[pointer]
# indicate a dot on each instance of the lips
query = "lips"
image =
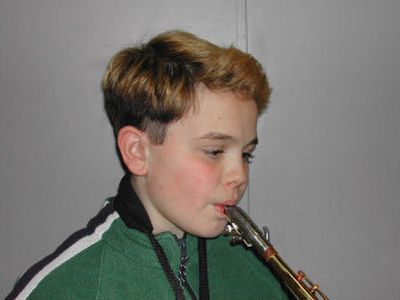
(229, 203)
(221, 206)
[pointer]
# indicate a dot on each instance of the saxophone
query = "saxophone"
(242, 228)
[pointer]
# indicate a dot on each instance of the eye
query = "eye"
(213, 153)
(248, 157)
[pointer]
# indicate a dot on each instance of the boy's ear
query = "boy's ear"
(132, 144)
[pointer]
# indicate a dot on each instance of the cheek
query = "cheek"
(198, 179)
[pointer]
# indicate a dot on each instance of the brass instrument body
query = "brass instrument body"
(243, 229)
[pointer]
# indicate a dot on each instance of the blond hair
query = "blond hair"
(154, 84)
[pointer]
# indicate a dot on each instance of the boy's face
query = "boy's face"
(201, 166)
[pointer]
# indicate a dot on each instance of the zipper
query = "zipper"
(181, 276)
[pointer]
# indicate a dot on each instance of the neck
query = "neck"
(158, 220)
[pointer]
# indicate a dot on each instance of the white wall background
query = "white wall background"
(327, 174)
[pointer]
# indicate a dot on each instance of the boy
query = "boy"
(184, 113)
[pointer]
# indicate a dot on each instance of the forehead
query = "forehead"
(219, 113)
(223, 105)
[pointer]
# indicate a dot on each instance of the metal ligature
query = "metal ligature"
(243, 229)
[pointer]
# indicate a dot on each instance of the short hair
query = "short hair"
(153, 84)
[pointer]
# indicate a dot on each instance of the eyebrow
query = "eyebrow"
(225, 137)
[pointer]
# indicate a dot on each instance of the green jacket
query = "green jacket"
(123, 265)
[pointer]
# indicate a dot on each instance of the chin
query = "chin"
(209, 233)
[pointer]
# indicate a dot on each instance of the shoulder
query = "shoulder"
(71, 267)
(77, 278)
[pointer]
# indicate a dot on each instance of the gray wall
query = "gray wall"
(327, 174)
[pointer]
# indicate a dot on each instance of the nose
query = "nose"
(237, 175)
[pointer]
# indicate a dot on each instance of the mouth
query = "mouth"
(221, 206)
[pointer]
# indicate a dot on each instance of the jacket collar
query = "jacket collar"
(130, 207)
